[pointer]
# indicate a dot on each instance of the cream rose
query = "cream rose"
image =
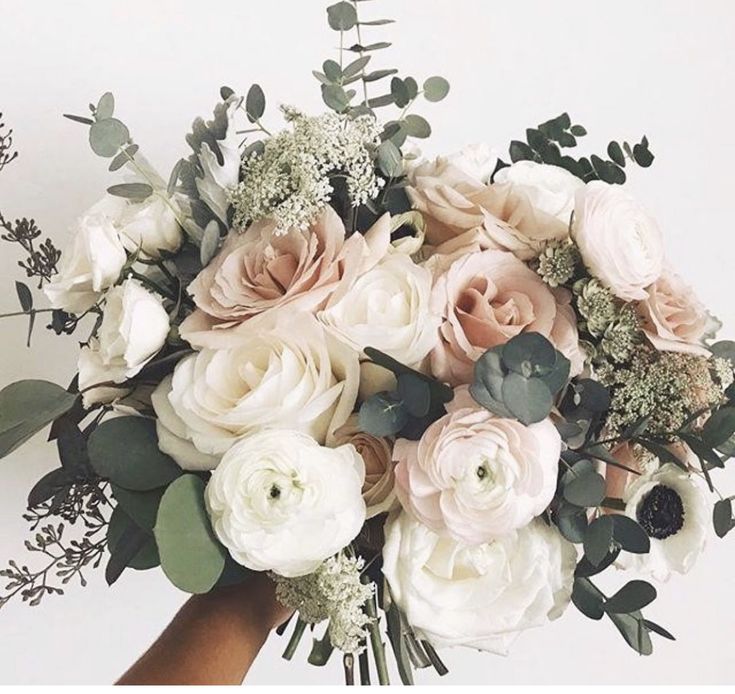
(487, 298)
(150, 225)
(480, 596)
(288, 375)
(134, 327)
(89, 267)
(387, 308)
(379, 487)
(620, 242)
(477, 161)
(476, 476)
(257, 271)
(673, 317)
(281, 502)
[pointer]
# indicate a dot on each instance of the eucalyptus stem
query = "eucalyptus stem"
(362, 53)
(26, 313)
(364, 663)
(295, 639)
(376, 642)
(348, 661)
(436, 661)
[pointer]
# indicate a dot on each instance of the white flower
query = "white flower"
(620, 242)
(134, 327)
(281, 502)
(387, 308)
(91, 265)
(476, 160)
(672, 508)
(549, 189)
(290, 374)
(481, 596)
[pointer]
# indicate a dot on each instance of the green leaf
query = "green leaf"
(630, 535)
(719, 427)
(400, 92)
(578, 130)
(335, 97)
(379, 75)
(24, 296)
(72, 447)
(528, 399)
(724, 349)
(415, 393)
(255, 103)
(585, 568)
(107, 136)
(355, 67)
(520, 151)
(529, 354)
(383, 414)
(583, 485)
(587, 599)
(105, 106)
(435, 88)
(131, 191)
(129, 545)
(378, 101)
(125, 451)
(642, 156)
(210, 242)
(377, 22)
(123, 158)
(722, 517)
(28, 406)
(571, 521)
(634, 595)
(633, 629)
(226, 92)
(661, 452)
(48, 486)
(390, 160)
(78, 119)
(657, 629)
(332, 70)
(417, 126)
(615, 152)
(141, 507)
(342, 16)
(597, 539)
(191, 556)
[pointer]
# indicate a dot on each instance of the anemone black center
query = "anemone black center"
(275, 491)
(661, 512)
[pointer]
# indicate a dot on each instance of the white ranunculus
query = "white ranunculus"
(288, 374)
(387, 308)
(89, 267)
(481, 596)
(549, 189)
(620, 242)
(281, 502)
(477, 160)
(134, 327)
(672, 508)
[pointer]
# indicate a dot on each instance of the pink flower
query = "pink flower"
(476, 476)
(673, 317)
(257, 271)
(487, 298)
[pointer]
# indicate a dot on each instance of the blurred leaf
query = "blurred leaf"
(416, 126)
(435, 88)
(383, 414)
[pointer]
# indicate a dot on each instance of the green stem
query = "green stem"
(364, 664)
(376, 642)
(26, 313)
(362, 54)
(348, 662)
(293, 642)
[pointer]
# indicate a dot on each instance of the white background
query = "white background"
(622, 69)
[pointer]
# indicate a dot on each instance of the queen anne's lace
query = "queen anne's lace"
(290, 180)
(334, 592)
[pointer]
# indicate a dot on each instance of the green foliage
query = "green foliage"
(582, 485)
(132, 191)
(544, 144)
(722, 517)
(138, 465)
(191, 556)
(255, 103)
(129, 546)
(521, 378)
(28, 406)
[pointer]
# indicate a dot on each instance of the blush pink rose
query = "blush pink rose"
(487, 298)
(257, 271)
(673, 317)
(476, 476)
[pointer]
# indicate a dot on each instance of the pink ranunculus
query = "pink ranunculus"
(476, 476)
(487, 298)
(673, 317)
(257, 271)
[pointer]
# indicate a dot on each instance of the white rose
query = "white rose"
(481, 596)
(134, 327)
(549, 189)
(387, 308)
(672, 508)
(90, 266)
(281, 502)
(290, 374)
(620, 242)
(476, 160)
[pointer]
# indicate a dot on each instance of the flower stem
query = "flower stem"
(364, 664)
(376, 642)
(293, 642)
(349, 664)
(26, 313)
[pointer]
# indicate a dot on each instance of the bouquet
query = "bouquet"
(433, 399)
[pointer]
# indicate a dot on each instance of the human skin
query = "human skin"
(213, 639)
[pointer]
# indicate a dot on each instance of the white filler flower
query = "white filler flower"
(281, 502)
(481, 596)
(672, 508)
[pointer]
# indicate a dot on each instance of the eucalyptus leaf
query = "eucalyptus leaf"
(528, 399)
(597, 539)
(383, 414)
(415, 393)
(633, 629)
(28, 406)
(210, 242)
(335, 97)
(722, 517)
(106, 137)
(342, 16)
(435, 88)
(529, 354)
(356, 66)
(634, 595)
(141, 507)
(191, 556)
(123, 158)
(587, 599)
(48, 486)
(105, 106)
(630, 535)
(255, 103)
(416, 126)
(129, 546)
(379, 75)
(583, 485)
(131, 191)
(24, 296)
(719, 427)
(332, 70)
(390, 160)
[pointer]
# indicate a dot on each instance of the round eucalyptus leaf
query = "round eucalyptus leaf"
(255, 103)
(191, 556)
(106, 137)
(105, 106)
(383, 414)
(558, 377)
(141, 507)
(571, 521)
(390, 160)
(597, 539)
(722, 517)
(125, 451)
(332, 70)
(630, 535)
(587, 599)
(720, 427)
(528, 399)
(583, 485)
(725, 349)
(416, 126)
(415, 393)
(634, 595)
(335, 97)
(529, 354)
(342, 16)
(435, 88)
(490, 373)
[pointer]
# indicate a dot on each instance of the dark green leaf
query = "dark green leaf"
(528, 399)
(529, 354)
(72, 446)
(125, 451)
(630, 535)
(587, 599)
(578, 130)
(634, 595)
(598, 538)
(585, 568)
(28, 406)
(123, 158)
(583, 485)
(722, 517)
(383, 414)
(724, 349)
(79, 119)
(141, 507)
(129, 545)
(379, 75)
(615, 152)
(226, 92)
(572, 522)
(321, 651)
(632, 627)
(657, 629)
(662, 453)
(48, 486)
(719, 427)
(255, 103)
(132, 191)
(642, 156)
(415, 393)
(399, 91)
(24, 296)
(390, 160)
(191, 556)
(520, 151)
